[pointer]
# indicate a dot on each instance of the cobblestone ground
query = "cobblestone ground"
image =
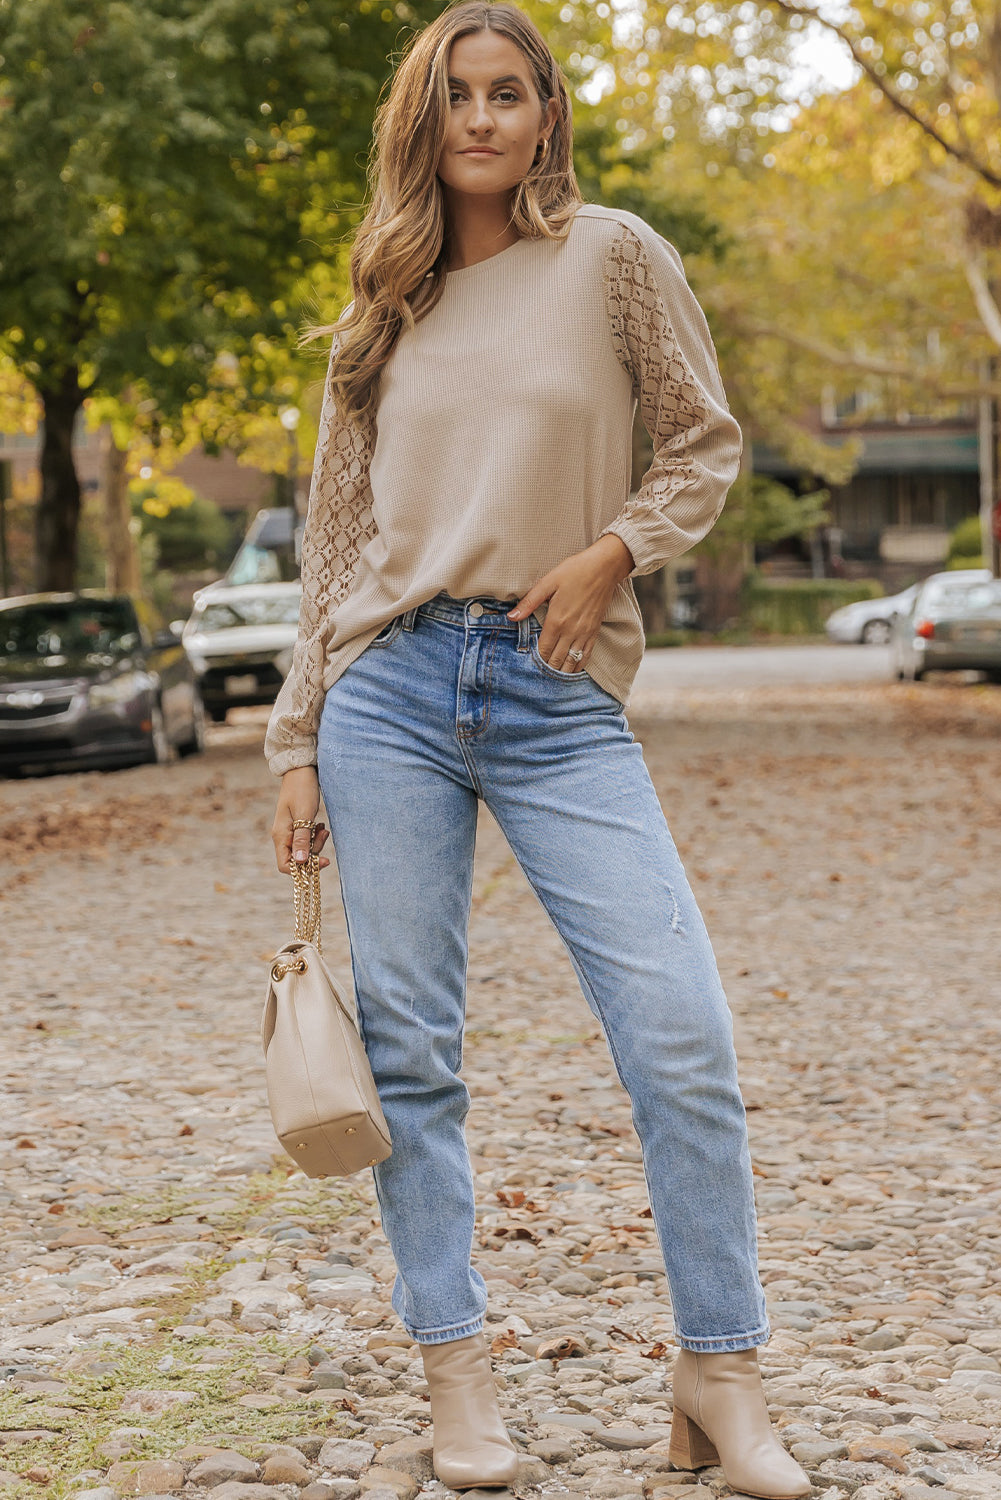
(184, 1314)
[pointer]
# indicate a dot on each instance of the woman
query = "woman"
(468, 630)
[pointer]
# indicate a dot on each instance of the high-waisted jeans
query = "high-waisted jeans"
(452, 702)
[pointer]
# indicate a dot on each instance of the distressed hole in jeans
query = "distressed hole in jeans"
(675, 911)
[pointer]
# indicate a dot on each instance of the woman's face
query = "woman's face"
(494, 105)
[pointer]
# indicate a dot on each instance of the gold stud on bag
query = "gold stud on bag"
(321, 1093)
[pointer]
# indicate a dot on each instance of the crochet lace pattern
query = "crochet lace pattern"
(671, 401)
(338, 525)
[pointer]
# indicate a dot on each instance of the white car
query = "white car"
(239, 641)
(869, 621)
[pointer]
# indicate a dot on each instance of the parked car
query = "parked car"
(86, 679)
(269, 553)
(239, 641)
(954, 623)
(869, 621)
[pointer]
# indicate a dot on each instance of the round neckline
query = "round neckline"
(465, 272)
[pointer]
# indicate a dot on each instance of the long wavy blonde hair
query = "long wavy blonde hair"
(401, 248)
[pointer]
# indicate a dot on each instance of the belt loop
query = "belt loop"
(525, 633)
(410, 617)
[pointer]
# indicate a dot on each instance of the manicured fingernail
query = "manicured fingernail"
(300, 855)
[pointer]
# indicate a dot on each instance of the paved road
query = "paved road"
(761, 666)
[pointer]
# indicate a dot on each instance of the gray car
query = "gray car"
(869, 622)
(85, 681)
(954, 624)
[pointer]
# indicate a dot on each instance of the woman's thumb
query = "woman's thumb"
(302, 840)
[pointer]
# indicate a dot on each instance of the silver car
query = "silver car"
(869, 621)
(239, 641)
(953, 625)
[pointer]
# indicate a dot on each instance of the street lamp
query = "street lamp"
(289, 419)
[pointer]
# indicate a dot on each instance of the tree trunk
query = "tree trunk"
(652, 600)
(121, 562)
(57, 517)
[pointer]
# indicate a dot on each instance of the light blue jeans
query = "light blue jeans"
(452, 702)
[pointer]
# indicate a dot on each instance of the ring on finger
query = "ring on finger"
(574, 655)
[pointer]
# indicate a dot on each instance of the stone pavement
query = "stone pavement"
(184, 1314)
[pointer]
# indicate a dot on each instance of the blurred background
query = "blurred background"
(180, 188)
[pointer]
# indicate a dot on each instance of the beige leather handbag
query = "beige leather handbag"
(321, 1093)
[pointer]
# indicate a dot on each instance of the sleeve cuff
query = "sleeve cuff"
(292, 759)
(646, 559)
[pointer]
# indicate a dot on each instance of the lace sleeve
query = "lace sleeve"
(338, 526)
(662, 339)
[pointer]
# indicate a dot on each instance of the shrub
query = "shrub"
(194, 535)
(965, 543)
(800, 606)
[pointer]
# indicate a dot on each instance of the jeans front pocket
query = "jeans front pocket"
(580, 679)
(388, 633)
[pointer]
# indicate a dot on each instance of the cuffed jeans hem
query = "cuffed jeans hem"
(724, 1345)
(445, 1335)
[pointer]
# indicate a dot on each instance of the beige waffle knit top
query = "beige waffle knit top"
(502, 443)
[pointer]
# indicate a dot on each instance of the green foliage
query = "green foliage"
(626, 179)
(762, 509)
(965, 542)
(187, 537)
(156, 164)
(800, 607)
(166, 169)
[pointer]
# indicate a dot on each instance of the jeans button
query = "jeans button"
(476, 610)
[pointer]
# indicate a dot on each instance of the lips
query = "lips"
(479, 151)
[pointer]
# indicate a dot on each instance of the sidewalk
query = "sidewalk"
(181, 1316)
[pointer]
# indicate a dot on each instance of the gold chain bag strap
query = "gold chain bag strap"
(322, 1097)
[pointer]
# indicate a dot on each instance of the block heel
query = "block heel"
(721, 1416)
(689, 1447)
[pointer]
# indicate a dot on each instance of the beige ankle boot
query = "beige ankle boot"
(721, 1417)
(471, 1448)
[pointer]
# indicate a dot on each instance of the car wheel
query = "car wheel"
(217, 713)
(917, 675)
(876, 633)
(196, 744)
(159, 745)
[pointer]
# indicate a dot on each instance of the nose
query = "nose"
(480, 117)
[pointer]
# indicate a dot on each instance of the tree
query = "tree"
(158, 164)
(938, 68)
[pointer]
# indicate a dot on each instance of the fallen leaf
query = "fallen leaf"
(623, 1333)
(506, 1340)
(566, 1347)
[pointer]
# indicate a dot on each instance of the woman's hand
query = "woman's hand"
(579, 591)
(298, 798)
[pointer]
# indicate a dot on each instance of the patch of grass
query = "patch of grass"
(320, 1201)
(281, 1193)
(98, 1399)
